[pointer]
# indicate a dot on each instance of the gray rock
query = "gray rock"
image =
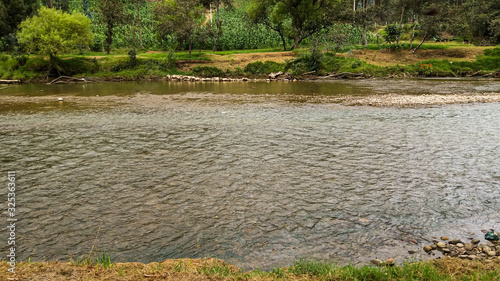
(491, 253)
(460, 245)
(468, 246)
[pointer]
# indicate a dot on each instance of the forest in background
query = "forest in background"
(253, 24)
(324, 27)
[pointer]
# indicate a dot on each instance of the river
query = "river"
(150, 171)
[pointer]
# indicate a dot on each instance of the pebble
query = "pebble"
(441, 245)
(460, 245)
(468, 246)
(444, 238)
(492, 253)
(390, 262)
(427, 248)
(455, 241)
(471, 257)
(376, 262)
(475, 241)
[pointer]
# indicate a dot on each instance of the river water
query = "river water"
(127, 169)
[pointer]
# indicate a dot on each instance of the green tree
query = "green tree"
(483, 21)
(228, 4)
(307, 16)
(12, 13)
(272, 16)
(182, 18)
(54, 32)
(111, 13)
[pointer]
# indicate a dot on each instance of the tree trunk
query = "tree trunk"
(189, 45)
(412, 36)
(218, 27)
(283, 40)
(423, 39)
(140, 25)
(50, 4)
(109, 37)
(366, 39)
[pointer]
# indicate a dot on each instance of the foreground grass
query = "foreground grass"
(214, 269)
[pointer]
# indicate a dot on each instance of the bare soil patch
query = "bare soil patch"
(234, 61)
(388, 57)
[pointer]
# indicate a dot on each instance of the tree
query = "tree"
(111, 13)
(483, 20)
(264, 12)
(13, 12)
(53, 32)
(307, 16)
(182, 18)
(218, 22)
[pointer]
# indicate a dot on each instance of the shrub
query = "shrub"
(267, 67)
(207, 71)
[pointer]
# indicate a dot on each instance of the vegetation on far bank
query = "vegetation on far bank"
(209, 269)
(312, 61)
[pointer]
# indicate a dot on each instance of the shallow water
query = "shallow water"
(257, 184)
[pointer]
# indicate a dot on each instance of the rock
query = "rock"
(460, 245)
(434, 246)
(463, 256)
(471, 257)
(446, 250)
(275, 75)
(444, 238)
(491, 253)
(377, 262)
(390, 262)
(411, 252)
(475, 241)
(441, 245)
(455, 241)
(468, 246)
(428, 248)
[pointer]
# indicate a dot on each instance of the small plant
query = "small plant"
(132, 55)
(104, 260)
(278, 272)
(179, 267)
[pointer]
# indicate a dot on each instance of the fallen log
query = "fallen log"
(66, 80)
(10, 81)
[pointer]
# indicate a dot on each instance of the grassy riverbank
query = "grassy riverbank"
(214, 269)
(434, 60)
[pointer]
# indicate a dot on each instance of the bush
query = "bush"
(267, 67)
(208, 71)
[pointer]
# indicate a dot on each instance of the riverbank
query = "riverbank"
(434, 60)
(215, 269)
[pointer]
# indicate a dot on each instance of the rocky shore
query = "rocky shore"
(472, 250)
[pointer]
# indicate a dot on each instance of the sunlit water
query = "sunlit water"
(259, 185)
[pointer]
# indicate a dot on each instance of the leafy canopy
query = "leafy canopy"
(53, 32)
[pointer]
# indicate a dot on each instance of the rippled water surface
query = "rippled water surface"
(258, 184)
